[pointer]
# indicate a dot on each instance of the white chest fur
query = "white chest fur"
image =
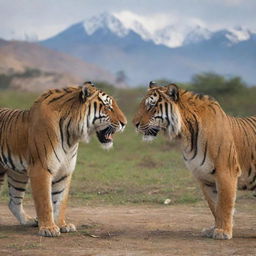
(201, 166)
(65, 162)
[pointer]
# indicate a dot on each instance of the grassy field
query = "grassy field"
(132, 172)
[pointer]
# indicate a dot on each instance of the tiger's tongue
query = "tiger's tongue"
(109, 137)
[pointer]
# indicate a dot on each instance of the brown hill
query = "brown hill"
(58, 69)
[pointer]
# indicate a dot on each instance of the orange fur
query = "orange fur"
(217, 148)
(42, 145)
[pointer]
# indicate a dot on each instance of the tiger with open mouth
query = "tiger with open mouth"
(41, 144)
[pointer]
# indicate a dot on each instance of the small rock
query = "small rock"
(167, 201)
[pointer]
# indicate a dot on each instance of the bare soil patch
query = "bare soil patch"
(132, 230)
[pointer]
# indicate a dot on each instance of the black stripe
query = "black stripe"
(59, 180)
(209, 184)
(95, 108)
(68, 133)
(23, 116)
(194, 136)
(61, 134)
(4, 158)
(16, 188)
(161, 109)
(73, 155)
(57, 192)
(167, 115)
(191, 130)
(7, 119)
(38, 154)
(66, 90)
(253, 180)
(46, 95)
(49, 170)
(1, 157)
(10, 158)
(17, 197)
(249, 172)
(53, 147)
(17, 181)
(88, 115)
(57, 98)
(7, 112)
(205, 152)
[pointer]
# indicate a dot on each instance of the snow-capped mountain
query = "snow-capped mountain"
(237, 35)
(174, 52)
(171, 36)
(105, 21)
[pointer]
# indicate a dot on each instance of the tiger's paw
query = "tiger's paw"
(208, 232)
(68, 228)
(31, 222)
(220, 234)
(51, 231)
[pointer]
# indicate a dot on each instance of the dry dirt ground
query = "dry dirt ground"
(132, 230)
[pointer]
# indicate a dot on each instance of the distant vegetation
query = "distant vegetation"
(233, 94)
(235, 97)
(6, 79)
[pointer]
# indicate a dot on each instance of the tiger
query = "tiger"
(40, 144)
(217, 148)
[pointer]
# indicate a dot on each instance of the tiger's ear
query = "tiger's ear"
(89, 83)
(87, 90)
(152, 84)
(84, 94)
(173, 92)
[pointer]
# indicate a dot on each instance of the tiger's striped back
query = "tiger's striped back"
(220, 150)
(42, 143)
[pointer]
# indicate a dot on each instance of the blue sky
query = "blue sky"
(44, 18)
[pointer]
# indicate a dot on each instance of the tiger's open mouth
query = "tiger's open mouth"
(150, 134)
(105, 135)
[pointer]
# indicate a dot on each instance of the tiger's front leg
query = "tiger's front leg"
(210, 193)
(41, 190)
(60, 191)
(226, 187)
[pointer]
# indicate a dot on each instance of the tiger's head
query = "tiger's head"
(159, 111)
(102, 115)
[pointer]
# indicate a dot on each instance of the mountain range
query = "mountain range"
(168, 53)
(55, 69)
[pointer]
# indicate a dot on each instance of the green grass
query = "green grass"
(132, 172)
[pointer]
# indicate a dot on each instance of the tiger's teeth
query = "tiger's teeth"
(108, 136)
